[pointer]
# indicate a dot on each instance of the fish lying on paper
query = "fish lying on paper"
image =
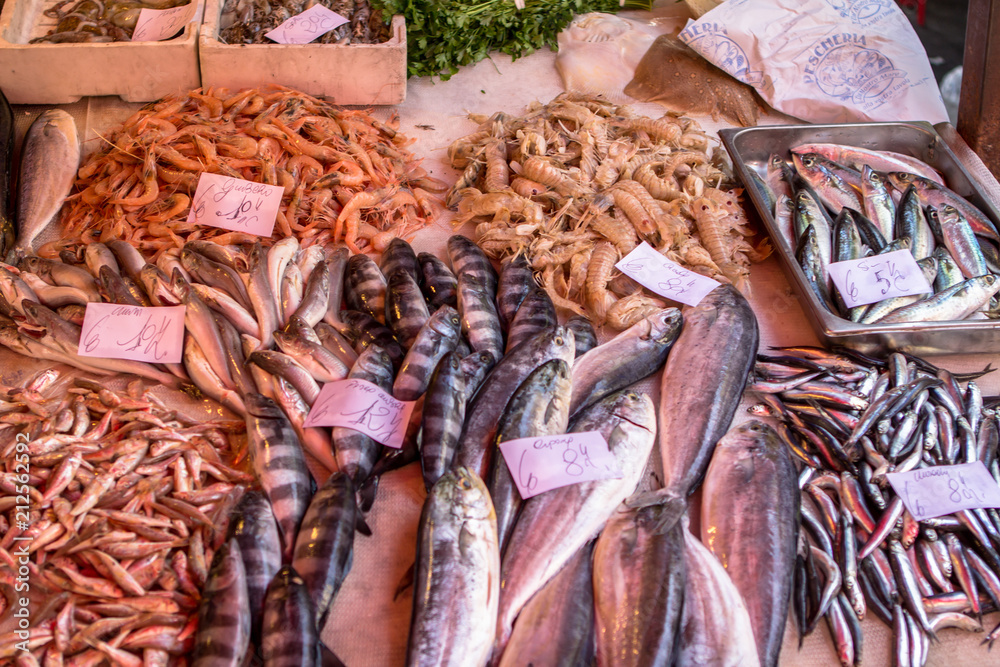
(672, 74)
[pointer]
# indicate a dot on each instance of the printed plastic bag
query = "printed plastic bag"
(823, 61)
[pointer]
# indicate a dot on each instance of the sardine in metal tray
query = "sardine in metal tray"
(750, 149)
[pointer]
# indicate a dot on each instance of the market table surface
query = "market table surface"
(368, 624)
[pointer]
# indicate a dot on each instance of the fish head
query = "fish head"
(665, 325)
(259, 405)
(465, 494)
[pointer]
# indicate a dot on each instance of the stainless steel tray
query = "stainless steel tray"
(750, 149)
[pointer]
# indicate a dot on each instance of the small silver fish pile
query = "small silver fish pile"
(850, 420)
(127, 501)
(840, 203)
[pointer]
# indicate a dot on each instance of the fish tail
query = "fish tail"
(671, 507)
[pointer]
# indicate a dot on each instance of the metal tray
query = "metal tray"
(750, 148)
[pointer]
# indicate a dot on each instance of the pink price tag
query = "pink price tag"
(113, 331)
(303, 28)
(235, 204)
(154, 25)
(542, 464)
(361, 405)
(940, 490)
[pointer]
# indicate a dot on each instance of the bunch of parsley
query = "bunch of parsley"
(443, 35)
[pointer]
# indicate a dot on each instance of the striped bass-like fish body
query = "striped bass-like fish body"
(556, 627)
(224, 614)
(280, 465)
(467, 257)
(635, 353)
(516, 280)
(715, 626)
(443, 416)
(365, 287)
(253, 527)
(439, 336)
(289, 637)
(325, 542)
(701, 386)
(554, 525)
(457, 575)
(439, 283)
(639, 574)
(535, 313)
(749, 520)
(357, 452)
(399, 255)
(405, 309)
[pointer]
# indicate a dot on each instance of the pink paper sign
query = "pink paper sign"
(940, 490)
(652, 270)
(235, 204)
(542, 464)
(362, 406)
(114, 331)
(155, 25)
(303, 28)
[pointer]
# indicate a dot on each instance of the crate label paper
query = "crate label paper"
(940, 490)
(310, 25)
(235, 204)
(657, 273)
(548, 462)
(362, 406)
(155, 25)
(879, 277)
(114, 331)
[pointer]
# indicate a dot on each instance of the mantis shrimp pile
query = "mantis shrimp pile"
(576, 184)
(346, 176)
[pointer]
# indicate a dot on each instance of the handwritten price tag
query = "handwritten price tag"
(155, 25)
(307, 26)
(880, 277)
(361, 405)
(235, 204)
(542, 464)
(113, 331)
(657, 273)
(931, 492)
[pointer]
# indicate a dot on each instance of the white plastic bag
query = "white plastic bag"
(823, 61)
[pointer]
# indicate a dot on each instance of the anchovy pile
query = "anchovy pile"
(113, 506)
(842, 203)
(850, 420)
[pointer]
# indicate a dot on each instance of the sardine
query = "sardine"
(50, 156)
(877, 204)
(955, 303)
(937, 195)
(750, 520)
(838, 186)
(883, 161)
(456, 586)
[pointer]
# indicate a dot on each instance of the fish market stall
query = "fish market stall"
(399, 169)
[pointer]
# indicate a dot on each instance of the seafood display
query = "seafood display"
(248, 21)
(94, 21)
(576, 184)
(346, 176)
(850, 421)
(7, 229)
(835, 203)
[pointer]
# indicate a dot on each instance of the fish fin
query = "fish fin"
(366, 493)
(327, 658)
(672, 508)
(406, 581)
(362, 526)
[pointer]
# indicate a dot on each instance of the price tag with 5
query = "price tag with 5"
(307, 26)
(940, 490)
(362, 406)
(548, 462)
(657, 273)
(235, 204)
(113, 331)
(880, 277)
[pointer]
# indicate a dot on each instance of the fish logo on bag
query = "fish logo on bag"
(844, 67)
(722, 51)
(861, 12)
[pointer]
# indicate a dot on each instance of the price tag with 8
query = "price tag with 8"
(545, 463)
(303, 28)
(880, 277)
(657, 273)
(939, 490)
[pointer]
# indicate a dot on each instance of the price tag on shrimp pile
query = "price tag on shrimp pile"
(542, 464)
(364, 407)
(113, 331)
(940, 490)
(879, 277)
(235, 204)
(303, 28)
(657, 273)
(154, 25)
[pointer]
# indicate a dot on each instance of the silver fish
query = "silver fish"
(50, 156)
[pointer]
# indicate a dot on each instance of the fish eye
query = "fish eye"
(559, 340)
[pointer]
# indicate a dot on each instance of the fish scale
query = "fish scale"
(439, 336)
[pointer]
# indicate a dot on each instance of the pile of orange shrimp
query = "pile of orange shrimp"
(346, 176)
(576, 184)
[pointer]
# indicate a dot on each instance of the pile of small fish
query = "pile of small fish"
(346, 176)
(577, 183)
(842, 203)
(96, 21)
(113, 507)
(248, 21)
(851, 420)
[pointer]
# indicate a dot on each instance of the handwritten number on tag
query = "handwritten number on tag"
(528, 479)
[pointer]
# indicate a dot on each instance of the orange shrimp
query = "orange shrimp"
(150, 188)
(350, 216)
